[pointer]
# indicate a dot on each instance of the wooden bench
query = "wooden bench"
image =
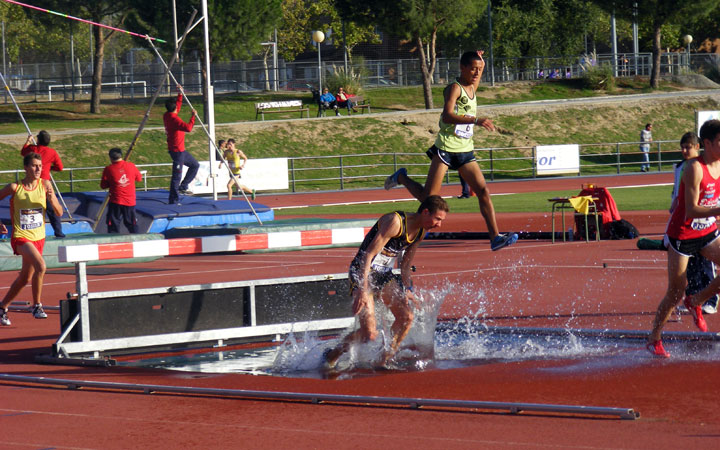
(361, 103)
(288, 106)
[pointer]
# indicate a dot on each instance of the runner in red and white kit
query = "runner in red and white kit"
(120, 178)
(692, 230)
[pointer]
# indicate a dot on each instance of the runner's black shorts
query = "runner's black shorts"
(378, 279)
(690, 247)
(451, 159)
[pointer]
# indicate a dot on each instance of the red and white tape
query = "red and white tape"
(211, 244)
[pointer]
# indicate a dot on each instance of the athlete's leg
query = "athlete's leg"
(472, 174)
(677, 267)
(366, 332)
(712, 253)
(32, 263)
(230, 188)
(395, 299)
(433, 182)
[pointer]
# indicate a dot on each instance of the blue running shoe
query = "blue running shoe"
(503, 240)
(392, 180)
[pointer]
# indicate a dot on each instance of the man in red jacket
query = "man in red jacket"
(120, 178)
(175, 130)
(50, 161)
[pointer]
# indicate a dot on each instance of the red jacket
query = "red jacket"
(120, 178)
(175, 128)
(50, 159)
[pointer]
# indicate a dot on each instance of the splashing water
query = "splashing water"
(466, 341)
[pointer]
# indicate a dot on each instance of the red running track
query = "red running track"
(533, 283)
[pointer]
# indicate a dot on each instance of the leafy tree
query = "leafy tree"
(420, 21)
(108, 12)
(656, 14)
(236, 27)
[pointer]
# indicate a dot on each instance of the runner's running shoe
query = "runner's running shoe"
(4, 319)
(38, 312)
(657, 349)
(392, 180)
(710, 306)
(697, 314)
(503, 240)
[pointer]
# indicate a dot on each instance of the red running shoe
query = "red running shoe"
(657, 349)
(697, 315)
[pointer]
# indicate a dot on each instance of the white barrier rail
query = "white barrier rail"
(75, 86)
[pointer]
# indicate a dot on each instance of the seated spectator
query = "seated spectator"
(345, 100)
(553, 74)
(327, 101)
(568, 73)
(541, 74)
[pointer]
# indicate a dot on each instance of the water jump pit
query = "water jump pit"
(436, 345)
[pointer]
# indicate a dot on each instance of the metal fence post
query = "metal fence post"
(395, 166)
(617, 152)
(71, 180)
(533, 162)
(659, 157)
(292, 173)
(492, 166)
(342, 180)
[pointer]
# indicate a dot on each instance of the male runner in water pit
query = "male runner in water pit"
(692, 230)
(394, 238)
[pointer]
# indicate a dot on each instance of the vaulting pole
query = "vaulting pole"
(12, 97)
(210, 138)
(67, 16)
(189, 26)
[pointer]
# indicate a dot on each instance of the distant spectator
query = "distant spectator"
(541, 74)
(50, 161)
(646, 139)
(344, 100)
(328, 101)
(120, 178)
(554, 74)
(568, 73)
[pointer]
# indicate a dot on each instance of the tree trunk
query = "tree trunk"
(266, 70)
(655, 74)
(427, 69)
(96, 90)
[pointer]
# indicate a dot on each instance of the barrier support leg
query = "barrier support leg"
(81, 286)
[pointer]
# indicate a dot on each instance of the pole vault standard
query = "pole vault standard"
(316, 398)
(212, 141)
(67, 16)
(12, 97)
(145, 118)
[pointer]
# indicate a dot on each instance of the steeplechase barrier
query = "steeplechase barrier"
(94, 324)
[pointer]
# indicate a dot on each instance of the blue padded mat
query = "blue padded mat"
(154, 214)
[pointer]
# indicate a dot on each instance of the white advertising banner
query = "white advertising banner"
(260, 174)
(557, 159)
(704, 116)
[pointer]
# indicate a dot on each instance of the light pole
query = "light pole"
(318, 36)
(687, 39)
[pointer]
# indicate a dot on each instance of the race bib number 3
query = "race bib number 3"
(31, 218)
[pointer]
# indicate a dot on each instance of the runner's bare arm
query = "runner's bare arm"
(451, 94)
(8, 190)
